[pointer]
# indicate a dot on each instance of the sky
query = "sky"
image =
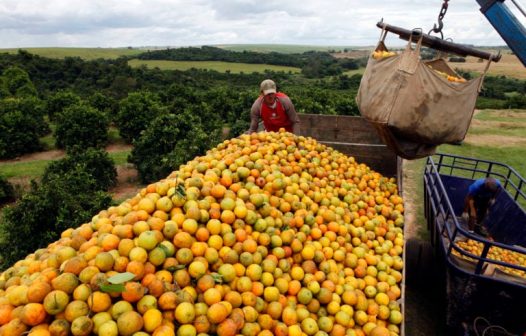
(172, 23)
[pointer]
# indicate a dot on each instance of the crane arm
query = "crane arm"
(507, 25)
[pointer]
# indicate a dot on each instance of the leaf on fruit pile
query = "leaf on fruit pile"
(121, 278)
(116, 283)
(179, 189)
(112, 288)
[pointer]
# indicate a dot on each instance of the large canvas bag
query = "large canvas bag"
(413, 107)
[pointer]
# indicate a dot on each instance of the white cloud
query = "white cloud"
(117, 23)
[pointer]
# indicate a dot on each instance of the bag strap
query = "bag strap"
(418, 44)
(484, 74)
(410, 58)
(383, 34)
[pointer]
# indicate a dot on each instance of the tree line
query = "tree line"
(313, 64)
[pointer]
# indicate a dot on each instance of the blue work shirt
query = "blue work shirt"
(478, 189)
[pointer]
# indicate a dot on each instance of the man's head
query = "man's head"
(491, 185)
(267, 86)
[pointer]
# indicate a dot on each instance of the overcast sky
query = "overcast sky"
(122, 23)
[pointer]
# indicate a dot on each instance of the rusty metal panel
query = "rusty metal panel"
(353, 136)
(338, 128)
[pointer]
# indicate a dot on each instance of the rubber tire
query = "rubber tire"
(419, 262)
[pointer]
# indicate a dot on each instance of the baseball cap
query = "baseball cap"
(267, 86)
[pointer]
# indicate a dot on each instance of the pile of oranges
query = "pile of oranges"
(266, 234)
(495, 253)
(450, 78)
(379, 54)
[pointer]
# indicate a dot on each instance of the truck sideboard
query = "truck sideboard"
(353, 136)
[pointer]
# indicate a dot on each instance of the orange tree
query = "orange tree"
(7, 192)
(72, 189)
(81, 125)
(170, 141)
(136, 112)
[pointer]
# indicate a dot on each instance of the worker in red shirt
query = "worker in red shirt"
(275, 109)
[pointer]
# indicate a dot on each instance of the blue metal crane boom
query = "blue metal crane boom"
(507, 25)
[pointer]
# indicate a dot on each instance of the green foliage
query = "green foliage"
(239, 127)
(457, 59)
(104, 103)
(96, 162)
(81, 125)
(136, 112)
(168, 142)
(227, 104)
(61, 100)
(517, 101)
(317, 100)
(42, 214)
(207, 53)
(7, 192)
(497, 86)
(16, 83)
(21, 125)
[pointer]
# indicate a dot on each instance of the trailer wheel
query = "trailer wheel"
(419, 261)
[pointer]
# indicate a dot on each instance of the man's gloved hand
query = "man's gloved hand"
(472, 222)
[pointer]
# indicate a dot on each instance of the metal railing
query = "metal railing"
(444, 225)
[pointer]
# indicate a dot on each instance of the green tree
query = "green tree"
(168, 142)
(16, 83)
(96, 162)
(61, 100)
(39, 217)
(19, 129)
(81, 125)
(7, 192)
(104, 103)
(136, 112)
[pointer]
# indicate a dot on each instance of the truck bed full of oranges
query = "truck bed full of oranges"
(266, 234)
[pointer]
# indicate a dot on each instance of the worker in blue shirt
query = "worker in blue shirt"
(480, 197)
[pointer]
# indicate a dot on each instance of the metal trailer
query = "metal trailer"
(480, 283)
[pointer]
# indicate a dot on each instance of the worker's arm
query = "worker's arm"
(469, 208)
(255, 114)
(291, 113)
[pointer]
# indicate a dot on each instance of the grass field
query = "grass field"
(84, 53)
(281, 48)
(509, 65)
(350, 73)
(35, 168)
(212, 65)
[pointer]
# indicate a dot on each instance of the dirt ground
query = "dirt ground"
(127, 178)
(424, 308)
(57, 154)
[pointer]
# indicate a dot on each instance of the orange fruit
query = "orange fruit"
(37, 291)
(133, 292)
(33, 314)
(99, 301)
(185, 312)
(129, 323)
(217, 313)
